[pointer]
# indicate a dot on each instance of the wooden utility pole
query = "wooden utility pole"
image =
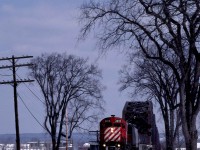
(14, 82)
(66, 131)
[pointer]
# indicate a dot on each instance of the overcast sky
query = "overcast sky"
(32, 27)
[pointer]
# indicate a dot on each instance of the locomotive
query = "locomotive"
(117, 134)
(113, 133)
(136, 130)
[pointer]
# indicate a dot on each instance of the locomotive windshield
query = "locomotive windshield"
(108, 124)
(117, 125)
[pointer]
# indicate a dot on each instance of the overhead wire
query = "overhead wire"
(31, 90)
(30, 111)
(24, 102)
(27, 106)
(6, 75)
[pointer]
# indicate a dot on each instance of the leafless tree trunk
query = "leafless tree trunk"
(66, 79)
(162, 30)
(156, 82)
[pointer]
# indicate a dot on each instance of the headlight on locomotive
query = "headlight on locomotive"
(118, 145)
(111, 130)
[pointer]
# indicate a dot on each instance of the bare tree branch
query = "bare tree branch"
(163, 30)
(65, 80)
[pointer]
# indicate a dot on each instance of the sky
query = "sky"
(33, 27)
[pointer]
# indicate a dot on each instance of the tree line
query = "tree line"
(162, 38)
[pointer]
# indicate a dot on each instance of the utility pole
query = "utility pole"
(66, 130)
(14, 82)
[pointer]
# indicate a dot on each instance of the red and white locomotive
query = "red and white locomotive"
(136, 130)
(113, 133)
(117, 134)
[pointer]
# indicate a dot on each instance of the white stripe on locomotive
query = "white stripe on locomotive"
(111, 136)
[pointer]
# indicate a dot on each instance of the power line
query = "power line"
(30, 112)
(32, 91)
(15, 82)
(6, 75)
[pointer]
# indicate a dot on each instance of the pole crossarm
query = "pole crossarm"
(10, 58)
(15, 82)
(18, 81)
(19, 65)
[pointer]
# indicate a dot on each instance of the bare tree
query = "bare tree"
(162, 30)
(65, 79)
(157, 82)
(82, 115)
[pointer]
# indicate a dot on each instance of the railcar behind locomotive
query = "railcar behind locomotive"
(136, 130)
(113, 133)
(117, 134)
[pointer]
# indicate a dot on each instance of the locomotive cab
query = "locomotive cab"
(113, 133)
